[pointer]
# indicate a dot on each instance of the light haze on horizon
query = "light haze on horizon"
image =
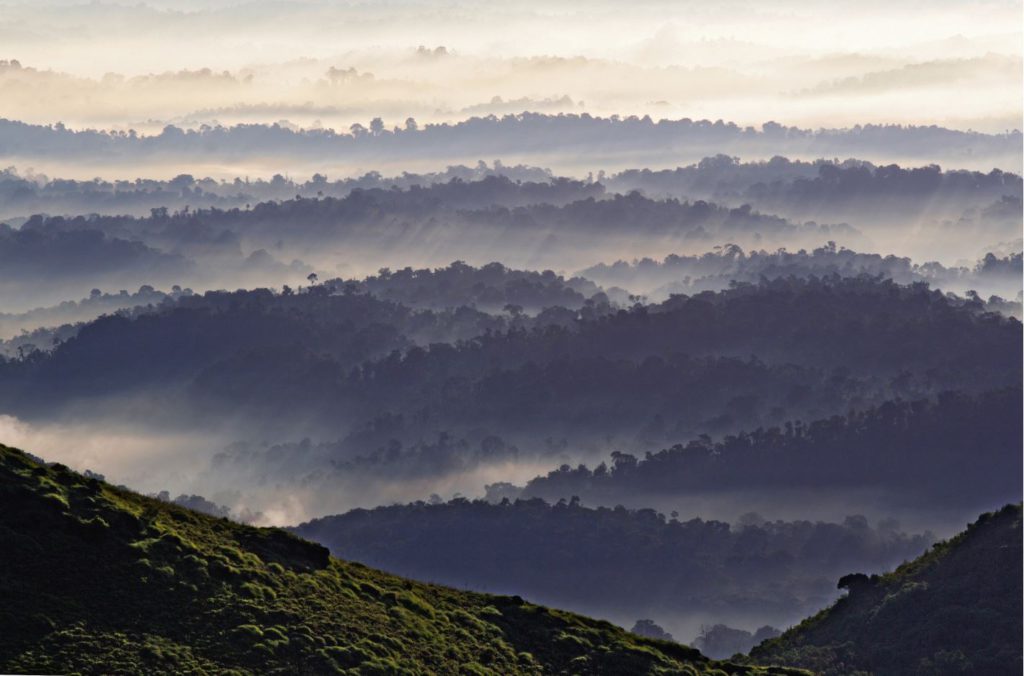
(953, 63)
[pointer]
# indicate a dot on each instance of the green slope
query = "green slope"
(96, 579)
(955, 610)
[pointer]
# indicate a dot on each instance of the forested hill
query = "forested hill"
(957, 449)
(955, 610)
(618, 562)
(379, 381)
(859, 327)
(96, 579)
(579, 134)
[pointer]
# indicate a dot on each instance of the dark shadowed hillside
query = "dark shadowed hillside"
(97, 579)
(955, 610)
(852, 191)
(714, 270)
(785, 344)
(507, 185)
(388, 393)
(620, 563)
(957, 449)
(449, 220)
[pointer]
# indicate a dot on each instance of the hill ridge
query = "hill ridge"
(955, 609)
(97, 579)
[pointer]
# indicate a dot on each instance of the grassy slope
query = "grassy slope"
(954, 610)
(96, 579)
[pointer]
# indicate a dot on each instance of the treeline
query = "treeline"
(72, 311)
(650, 375)
(954, 610)
(518, 133)
(957, 449)
(828, 188)
(945, 210)
(34, 255)
(492, 287)
(617, 561)
(460, 288)
(469, 206)
(546, 223)
(277, 243)
(823, 183)
(717, 269)
(240, 247)
(26, 193)
(48, 260)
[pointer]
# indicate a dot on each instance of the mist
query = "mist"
(574, 144)
(809, 66)
(525, 397)
(669, 311)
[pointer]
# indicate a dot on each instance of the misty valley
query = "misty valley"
(581, 363)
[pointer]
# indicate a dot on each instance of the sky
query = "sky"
(142, 65)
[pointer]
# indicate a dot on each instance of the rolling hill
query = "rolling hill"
(97, 579)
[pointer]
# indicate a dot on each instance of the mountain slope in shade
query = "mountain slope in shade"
(97, 579)
(955, 610)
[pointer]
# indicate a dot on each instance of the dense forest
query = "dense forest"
(241, 234)
(955, 449)
(477, 205)
(760, 353)
(511, 297)
(719, 268)
(955, 610)
(825, 189)
(37, 258)
(515, 185)
(16, 327)
(722, 176)
(83, 561)
(492, 288)
(540, 225)
(344, 394)
(620, 563)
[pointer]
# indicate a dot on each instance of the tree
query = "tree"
(27, 351)
(649, 629)
(853, 582)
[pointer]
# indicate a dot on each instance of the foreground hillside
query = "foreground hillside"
(955, 610)
(96, 579)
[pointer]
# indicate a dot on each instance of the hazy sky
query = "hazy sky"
(143, 64)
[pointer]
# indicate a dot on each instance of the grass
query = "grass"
(97, 579)
(956, 609)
